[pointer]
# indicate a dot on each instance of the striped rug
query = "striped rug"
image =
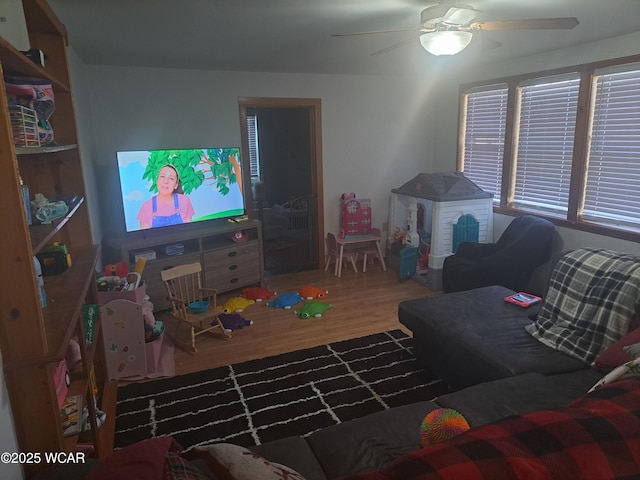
(295, 393)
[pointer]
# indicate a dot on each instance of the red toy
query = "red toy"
(120, 269)
(258, 294)
(312, 293)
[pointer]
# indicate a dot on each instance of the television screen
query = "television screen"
(171, 187)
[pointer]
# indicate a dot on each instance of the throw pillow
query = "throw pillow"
(614, 356)
(626, 370)
(179, 468)
(144, 460)
(633, 350)
(232, 462)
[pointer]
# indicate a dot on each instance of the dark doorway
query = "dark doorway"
(286, 176)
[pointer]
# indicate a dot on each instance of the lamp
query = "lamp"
(447, 42)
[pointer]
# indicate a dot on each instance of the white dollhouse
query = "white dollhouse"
(438, 211)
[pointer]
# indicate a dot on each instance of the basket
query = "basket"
(24, 126)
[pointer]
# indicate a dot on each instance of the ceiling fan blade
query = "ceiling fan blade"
(460, 16)
(421, 30)
(397, 45)
(560, 23)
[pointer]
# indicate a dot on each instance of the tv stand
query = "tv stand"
(227, 265)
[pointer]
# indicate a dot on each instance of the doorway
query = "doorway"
(285, 178)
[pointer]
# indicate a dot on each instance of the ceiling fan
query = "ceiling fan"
(447, 28)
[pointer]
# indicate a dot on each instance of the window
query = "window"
(547, 122)
(254, 152)
(613, 174)
(563, 144)
(485, 114)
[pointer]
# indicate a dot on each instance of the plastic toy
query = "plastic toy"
(312, 309)
(120, 269)
(522, 299)
(312, 293)
(440, 425)
(236, 305)
(233, 321)
(258, 294)
(286, 301)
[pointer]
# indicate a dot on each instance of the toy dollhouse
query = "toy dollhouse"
(356, 216)
(438, 211)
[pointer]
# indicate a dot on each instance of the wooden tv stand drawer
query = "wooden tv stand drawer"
(228, 268)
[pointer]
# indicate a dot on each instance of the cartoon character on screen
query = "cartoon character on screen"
(170, 206)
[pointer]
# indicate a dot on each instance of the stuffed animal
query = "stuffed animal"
(312, 293)
(233, 321)
(286, 301)
(312, 309)
(236, 305)
(120, 269)
(258, 294)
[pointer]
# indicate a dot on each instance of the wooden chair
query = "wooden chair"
(183, 287)
(371, 252)
(333, 252)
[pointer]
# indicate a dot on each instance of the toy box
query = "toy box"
(136, 295)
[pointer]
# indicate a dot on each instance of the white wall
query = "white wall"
(82, 104)
(445, 150)
(376, 130)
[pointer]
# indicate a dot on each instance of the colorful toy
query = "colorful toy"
(258, 294)
(312, 293)
(286, 301)
(232, 321)
(236, 305)
(312, 309)
(440, 425)
(120, 269)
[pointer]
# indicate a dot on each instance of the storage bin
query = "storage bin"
(136, 295)
(408, 262)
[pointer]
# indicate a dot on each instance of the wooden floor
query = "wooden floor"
(362, 304)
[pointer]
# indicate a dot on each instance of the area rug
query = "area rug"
(262, 400)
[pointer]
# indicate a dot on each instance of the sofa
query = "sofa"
(525, 398)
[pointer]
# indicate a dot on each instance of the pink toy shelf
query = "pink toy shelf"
(356, 216)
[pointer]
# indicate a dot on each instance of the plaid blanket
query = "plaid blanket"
(597, 437)
(592, 296)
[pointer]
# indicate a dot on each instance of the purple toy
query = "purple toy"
(233, 321)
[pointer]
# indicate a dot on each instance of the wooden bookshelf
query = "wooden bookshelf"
(34, 340)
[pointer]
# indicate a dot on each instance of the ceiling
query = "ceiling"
(294, 36)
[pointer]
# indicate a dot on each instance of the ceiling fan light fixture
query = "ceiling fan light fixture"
(448, 42)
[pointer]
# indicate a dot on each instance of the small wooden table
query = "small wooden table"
(366, 240)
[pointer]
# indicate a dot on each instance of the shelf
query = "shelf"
(65, 296)
(41, 150)
(42, 234)
(15, 63)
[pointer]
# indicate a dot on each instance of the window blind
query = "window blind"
(613, 173)
(485, 114)
(252, 136)
(546, 129)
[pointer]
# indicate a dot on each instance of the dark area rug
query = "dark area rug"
(295, 393)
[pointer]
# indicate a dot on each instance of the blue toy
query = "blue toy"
(286, 301)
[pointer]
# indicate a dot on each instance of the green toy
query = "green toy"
(312, 309)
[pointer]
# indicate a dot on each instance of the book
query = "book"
(71, 413)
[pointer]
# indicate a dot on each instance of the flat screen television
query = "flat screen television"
(161, 188)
